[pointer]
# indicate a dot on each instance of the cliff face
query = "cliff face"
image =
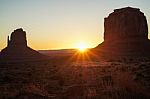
(125, 33)
(125, 24)
(18, 39)
(17, 49)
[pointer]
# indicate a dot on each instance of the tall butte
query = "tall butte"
(125, 34)
(17, 49)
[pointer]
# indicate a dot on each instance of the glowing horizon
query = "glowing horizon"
(60, 24)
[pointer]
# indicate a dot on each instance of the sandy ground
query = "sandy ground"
(61, 79)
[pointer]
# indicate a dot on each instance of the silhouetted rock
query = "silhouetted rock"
(126, 23)
(125, 33)
(18, 39)
(17, 49)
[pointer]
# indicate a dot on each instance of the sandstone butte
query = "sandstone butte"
(125, 34)
(17, 49)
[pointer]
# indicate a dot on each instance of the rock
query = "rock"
(124, 24)
(125, 33)
(17, 49)
(18, 39)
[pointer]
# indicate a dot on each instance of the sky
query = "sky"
(61, 24)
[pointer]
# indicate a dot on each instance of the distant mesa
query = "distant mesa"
(125, 33)
(17, 49)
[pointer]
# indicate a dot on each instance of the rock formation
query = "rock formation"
(18, 39)
(17, 49)
(126, 23)
(125, 33)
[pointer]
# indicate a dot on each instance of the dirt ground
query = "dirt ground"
(76, 78)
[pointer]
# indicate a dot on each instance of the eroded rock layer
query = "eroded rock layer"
(125, 33)
(17, 49)
(126, 23)
(18, 39)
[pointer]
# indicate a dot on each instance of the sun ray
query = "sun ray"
(82, 47)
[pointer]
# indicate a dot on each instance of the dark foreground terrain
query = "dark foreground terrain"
(76, 77)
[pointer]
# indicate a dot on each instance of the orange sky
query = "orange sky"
(60, 24)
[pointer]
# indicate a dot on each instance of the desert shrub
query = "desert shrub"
(61, 81)
(142, 65)
(6, 79)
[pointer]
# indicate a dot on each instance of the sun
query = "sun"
(82, 47)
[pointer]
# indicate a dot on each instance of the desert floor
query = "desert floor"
(76, 78)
